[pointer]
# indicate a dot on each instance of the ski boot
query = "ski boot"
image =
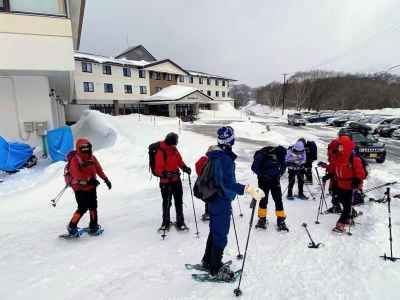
(281, 226)
(95, 230)
(73, 231)
(164, 226)
(182, 227)
(339, 228)
(205, 217)
(225, 274)
(262, 223)
(302, 197)
(290, 196)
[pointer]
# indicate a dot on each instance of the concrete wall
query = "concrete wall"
(24, 99)
(116, 79)
(35, 43)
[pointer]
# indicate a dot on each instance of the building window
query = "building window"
(216, 94)
(107, 70)
(88, 87)
(181, 78)
(223, 82)
(209, 93)
(223, 94)
(228, 94)
(169, 77)
(200, 80)
(87, 67)
(108, 88)
(158, 75)
(127, 72)
(216, 82)
(143, 89)
(43, 7)
(128, 89)
(208, 81)
(191, 79)
(142, 74)
(158, 89)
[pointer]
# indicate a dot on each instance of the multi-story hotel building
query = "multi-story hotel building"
(135, 81)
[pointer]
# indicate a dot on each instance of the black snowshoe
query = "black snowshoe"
(335, 209)
(281, 226)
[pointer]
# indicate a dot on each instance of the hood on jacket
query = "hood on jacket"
(299, 146)
(219, 151)
(84, 148)
(345, 148)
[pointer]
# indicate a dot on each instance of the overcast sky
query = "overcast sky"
(254, 41)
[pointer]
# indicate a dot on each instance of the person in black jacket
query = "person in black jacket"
(311, 156)
(269, 165)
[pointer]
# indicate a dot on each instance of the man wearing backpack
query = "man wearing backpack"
(222, 160)
(269, 165)
(295, 161)
(168, 161)
(349, 173)
(83, 167)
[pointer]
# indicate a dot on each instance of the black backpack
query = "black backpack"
(205, 188)
(153, 149)
(312, 152)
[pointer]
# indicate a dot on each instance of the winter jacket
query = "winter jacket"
(295, 161)
(84, 168)
(220, 207)
(168, 163)
(348, 166)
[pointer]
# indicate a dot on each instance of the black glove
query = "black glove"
(355, 182)
(326, 177)
(322, 164)
(187, 170)
(93, 181)
(108, 183)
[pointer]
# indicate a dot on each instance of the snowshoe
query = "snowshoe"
(73, 233)
(203, 267)
(281, 226)
(95, 231)
(164, 227)
(290, 197)
(206, 277)
(339, 228)
(335, 209)
(262, 223)
(205, 217)
(181, 227)
(302, 197)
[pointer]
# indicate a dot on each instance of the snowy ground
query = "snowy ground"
(131, 261)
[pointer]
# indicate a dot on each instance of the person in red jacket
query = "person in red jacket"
(168, 162)
(349, 173)
(84, 168)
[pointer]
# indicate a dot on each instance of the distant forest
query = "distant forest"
(317, 90)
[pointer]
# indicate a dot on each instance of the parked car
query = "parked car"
(340, 122)
(388, 130)
(367, 145)
(383, 124)
(319, 118)
(296, 119)
(396, 134)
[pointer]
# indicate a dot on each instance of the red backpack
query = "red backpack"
(67, 172)
(200, 165)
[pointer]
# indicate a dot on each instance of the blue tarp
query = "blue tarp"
(13, 156)
(60, 142)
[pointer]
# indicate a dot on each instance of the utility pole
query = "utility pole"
(284, 93)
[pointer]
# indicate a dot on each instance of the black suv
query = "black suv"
(367, 145)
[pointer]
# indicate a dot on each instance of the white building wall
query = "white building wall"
(24, 99)
(116, 79)
(205, 87)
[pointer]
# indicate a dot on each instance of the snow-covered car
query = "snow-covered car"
(396, 134)
(319, 118)
(383, 124)
(296, 119)
(387, 131)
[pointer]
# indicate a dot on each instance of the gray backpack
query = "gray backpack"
(205, 187)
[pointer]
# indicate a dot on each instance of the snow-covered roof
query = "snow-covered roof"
(173, 93)
(104, 59)
(203, 74)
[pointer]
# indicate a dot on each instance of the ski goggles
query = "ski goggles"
(85, 148)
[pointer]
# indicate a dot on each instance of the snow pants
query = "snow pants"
(292, 179)
(271, 184)
(86, 200)
(345, 197)
(220, 218)
(308, 172)
(169, 190)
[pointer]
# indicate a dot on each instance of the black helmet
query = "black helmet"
(171, 139)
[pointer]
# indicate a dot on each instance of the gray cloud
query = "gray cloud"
(254, 41)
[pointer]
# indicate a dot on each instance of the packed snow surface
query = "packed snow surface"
(131, 261)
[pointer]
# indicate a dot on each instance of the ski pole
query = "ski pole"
(58, 197)
(385, 257)
(239, 256)
(253, 205)
(240, 209)
(379, 187)
(312, 244)
(351, 212)
(194, 210)
(320, 183)
(320, 205)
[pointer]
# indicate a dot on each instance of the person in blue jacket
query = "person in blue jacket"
(220, 210)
